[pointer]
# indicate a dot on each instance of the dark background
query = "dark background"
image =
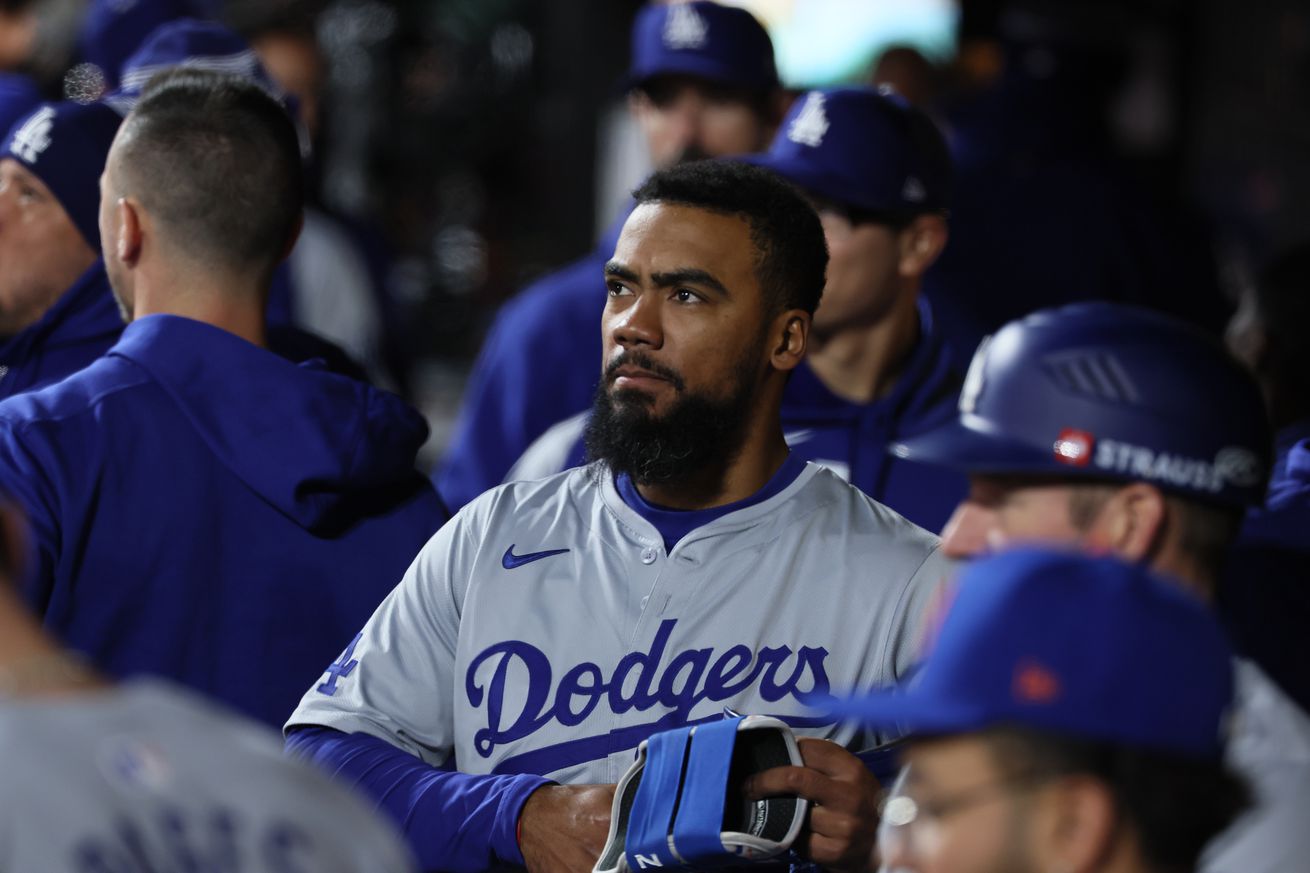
(461, 138)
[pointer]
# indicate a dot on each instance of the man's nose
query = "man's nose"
(685, 124)
(639, 324)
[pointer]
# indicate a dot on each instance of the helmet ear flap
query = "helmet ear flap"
(922, 242)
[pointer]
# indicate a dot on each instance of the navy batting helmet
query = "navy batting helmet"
(1106, 391)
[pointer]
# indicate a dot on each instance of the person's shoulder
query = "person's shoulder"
(107, 380)
(1269, 746)
(238, 758)
(546, 497)
(863, 519)
(552, 451)
(563, 506)
(1269, 727)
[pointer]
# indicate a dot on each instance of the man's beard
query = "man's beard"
(698, 433)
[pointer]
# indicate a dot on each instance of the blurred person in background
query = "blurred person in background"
(57, 313)
(1046, 209)
(1265, 597)
(18, 26)
(1071, 716)
(333, 293)
(112, 30)
(1117, 430)
(876, 370)
(907, 72)
(702, 83)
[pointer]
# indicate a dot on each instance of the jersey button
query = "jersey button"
(648, 555)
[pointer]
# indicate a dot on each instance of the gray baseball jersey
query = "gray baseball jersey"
(147, 777)
(1270, 747)
(545, 629)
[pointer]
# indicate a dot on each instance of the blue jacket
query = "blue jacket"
(1265, 594)
(852, 438)
(538, 366)
(204, 510)
(849, 438)
(80, 327)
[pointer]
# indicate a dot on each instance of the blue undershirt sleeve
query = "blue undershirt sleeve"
(452, 821)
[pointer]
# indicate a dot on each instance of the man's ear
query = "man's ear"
(131, 232)
(1131, 523)
(790, 336)
(921, 243)
(1079, 824)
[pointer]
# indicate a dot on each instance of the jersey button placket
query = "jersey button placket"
(649, 555)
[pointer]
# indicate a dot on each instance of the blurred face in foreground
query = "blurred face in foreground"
(42, 253)
(1000, 511)
(957, 812)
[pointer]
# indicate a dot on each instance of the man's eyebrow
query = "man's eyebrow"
(689, 276)
(618, 271)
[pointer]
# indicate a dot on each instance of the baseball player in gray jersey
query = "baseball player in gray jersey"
(145, 776)
(692, 566)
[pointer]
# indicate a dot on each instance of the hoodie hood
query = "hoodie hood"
(922, 398)
(81, 326)
(305, 440)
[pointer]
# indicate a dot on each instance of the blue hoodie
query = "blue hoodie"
(852, 438)
(81, 326)
(204, 510)
(538, 366)
(1265, 594)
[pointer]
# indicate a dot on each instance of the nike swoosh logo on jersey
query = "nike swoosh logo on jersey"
(511, 561)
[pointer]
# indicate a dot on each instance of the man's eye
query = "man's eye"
(616, 288)
(682, 295)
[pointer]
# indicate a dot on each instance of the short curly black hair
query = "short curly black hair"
(791, 254)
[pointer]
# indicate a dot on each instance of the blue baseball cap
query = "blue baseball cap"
(65, 145)
(1073, 645)
(114, 29)
(189, 42)
(864, 148)
(723, 44)
(18, 97)
(1106, 391)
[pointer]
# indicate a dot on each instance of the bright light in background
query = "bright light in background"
(831, 42)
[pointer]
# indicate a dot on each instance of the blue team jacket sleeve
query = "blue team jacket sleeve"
(452, 821)
(538, 365)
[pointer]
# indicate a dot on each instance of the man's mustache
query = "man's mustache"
(645, 362)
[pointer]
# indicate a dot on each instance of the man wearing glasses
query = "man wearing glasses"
(1071, 717)
(1111, 429)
